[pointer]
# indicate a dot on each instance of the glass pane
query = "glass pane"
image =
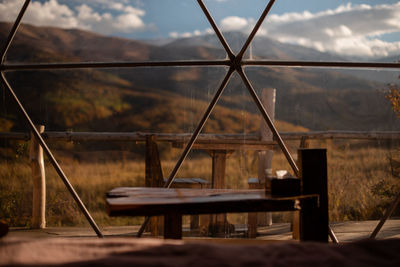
(169, 102)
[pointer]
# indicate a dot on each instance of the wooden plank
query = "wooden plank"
(182, 138)
(229, 145)
(133, 136)
(158, 201)
(360, 135)
(15, 136)
(314, 223)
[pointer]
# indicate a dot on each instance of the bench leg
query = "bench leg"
(252, 225)
(173, 225)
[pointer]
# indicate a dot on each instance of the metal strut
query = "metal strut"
(386, 216)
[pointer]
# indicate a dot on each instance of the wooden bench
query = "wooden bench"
(174, 203)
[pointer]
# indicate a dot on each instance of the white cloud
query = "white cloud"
(48, 13)
(234, 23)
(339, 31)
(354, 30)
(128, 21)
(116, 6)
(349, 29)
(182, 34)
(190, 34)
(117, 16)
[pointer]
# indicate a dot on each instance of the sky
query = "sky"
(369, 28)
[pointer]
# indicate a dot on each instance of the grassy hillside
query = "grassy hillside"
(173, 99)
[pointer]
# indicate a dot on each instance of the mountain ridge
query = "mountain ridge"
(317, 99)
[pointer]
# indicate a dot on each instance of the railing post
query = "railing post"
(39, 182)
(304, 143)
(153, 178)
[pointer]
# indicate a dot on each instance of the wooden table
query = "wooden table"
(220, 149)
(174, 203)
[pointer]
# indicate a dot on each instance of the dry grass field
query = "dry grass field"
(362, 181)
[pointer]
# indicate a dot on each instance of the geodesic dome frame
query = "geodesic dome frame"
(234, 63)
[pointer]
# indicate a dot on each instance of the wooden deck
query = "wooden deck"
(345, 231)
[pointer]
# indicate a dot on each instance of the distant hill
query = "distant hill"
(263, 47)
(173, 99)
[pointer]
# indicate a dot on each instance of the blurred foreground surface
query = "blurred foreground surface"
(345, 231)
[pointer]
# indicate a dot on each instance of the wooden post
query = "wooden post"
(268, 98)
(252, 216)
(39, 182)
(304, 143)
(314, 223)
(213, 225)
(153, 178)
(218, 168)
(219, 222)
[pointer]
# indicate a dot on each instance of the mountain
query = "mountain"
(102, 100)
(263, 47)
(173, 99)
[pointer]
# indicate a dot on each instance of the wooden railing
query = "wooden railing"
(217, 138)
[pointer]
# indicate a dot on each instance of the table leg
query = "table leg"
(218, 222)
(173, 225)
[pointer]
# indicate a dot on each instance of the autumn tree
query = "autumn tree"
(393, 96)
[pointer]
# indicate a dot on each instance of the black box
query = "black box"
(285, 187)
